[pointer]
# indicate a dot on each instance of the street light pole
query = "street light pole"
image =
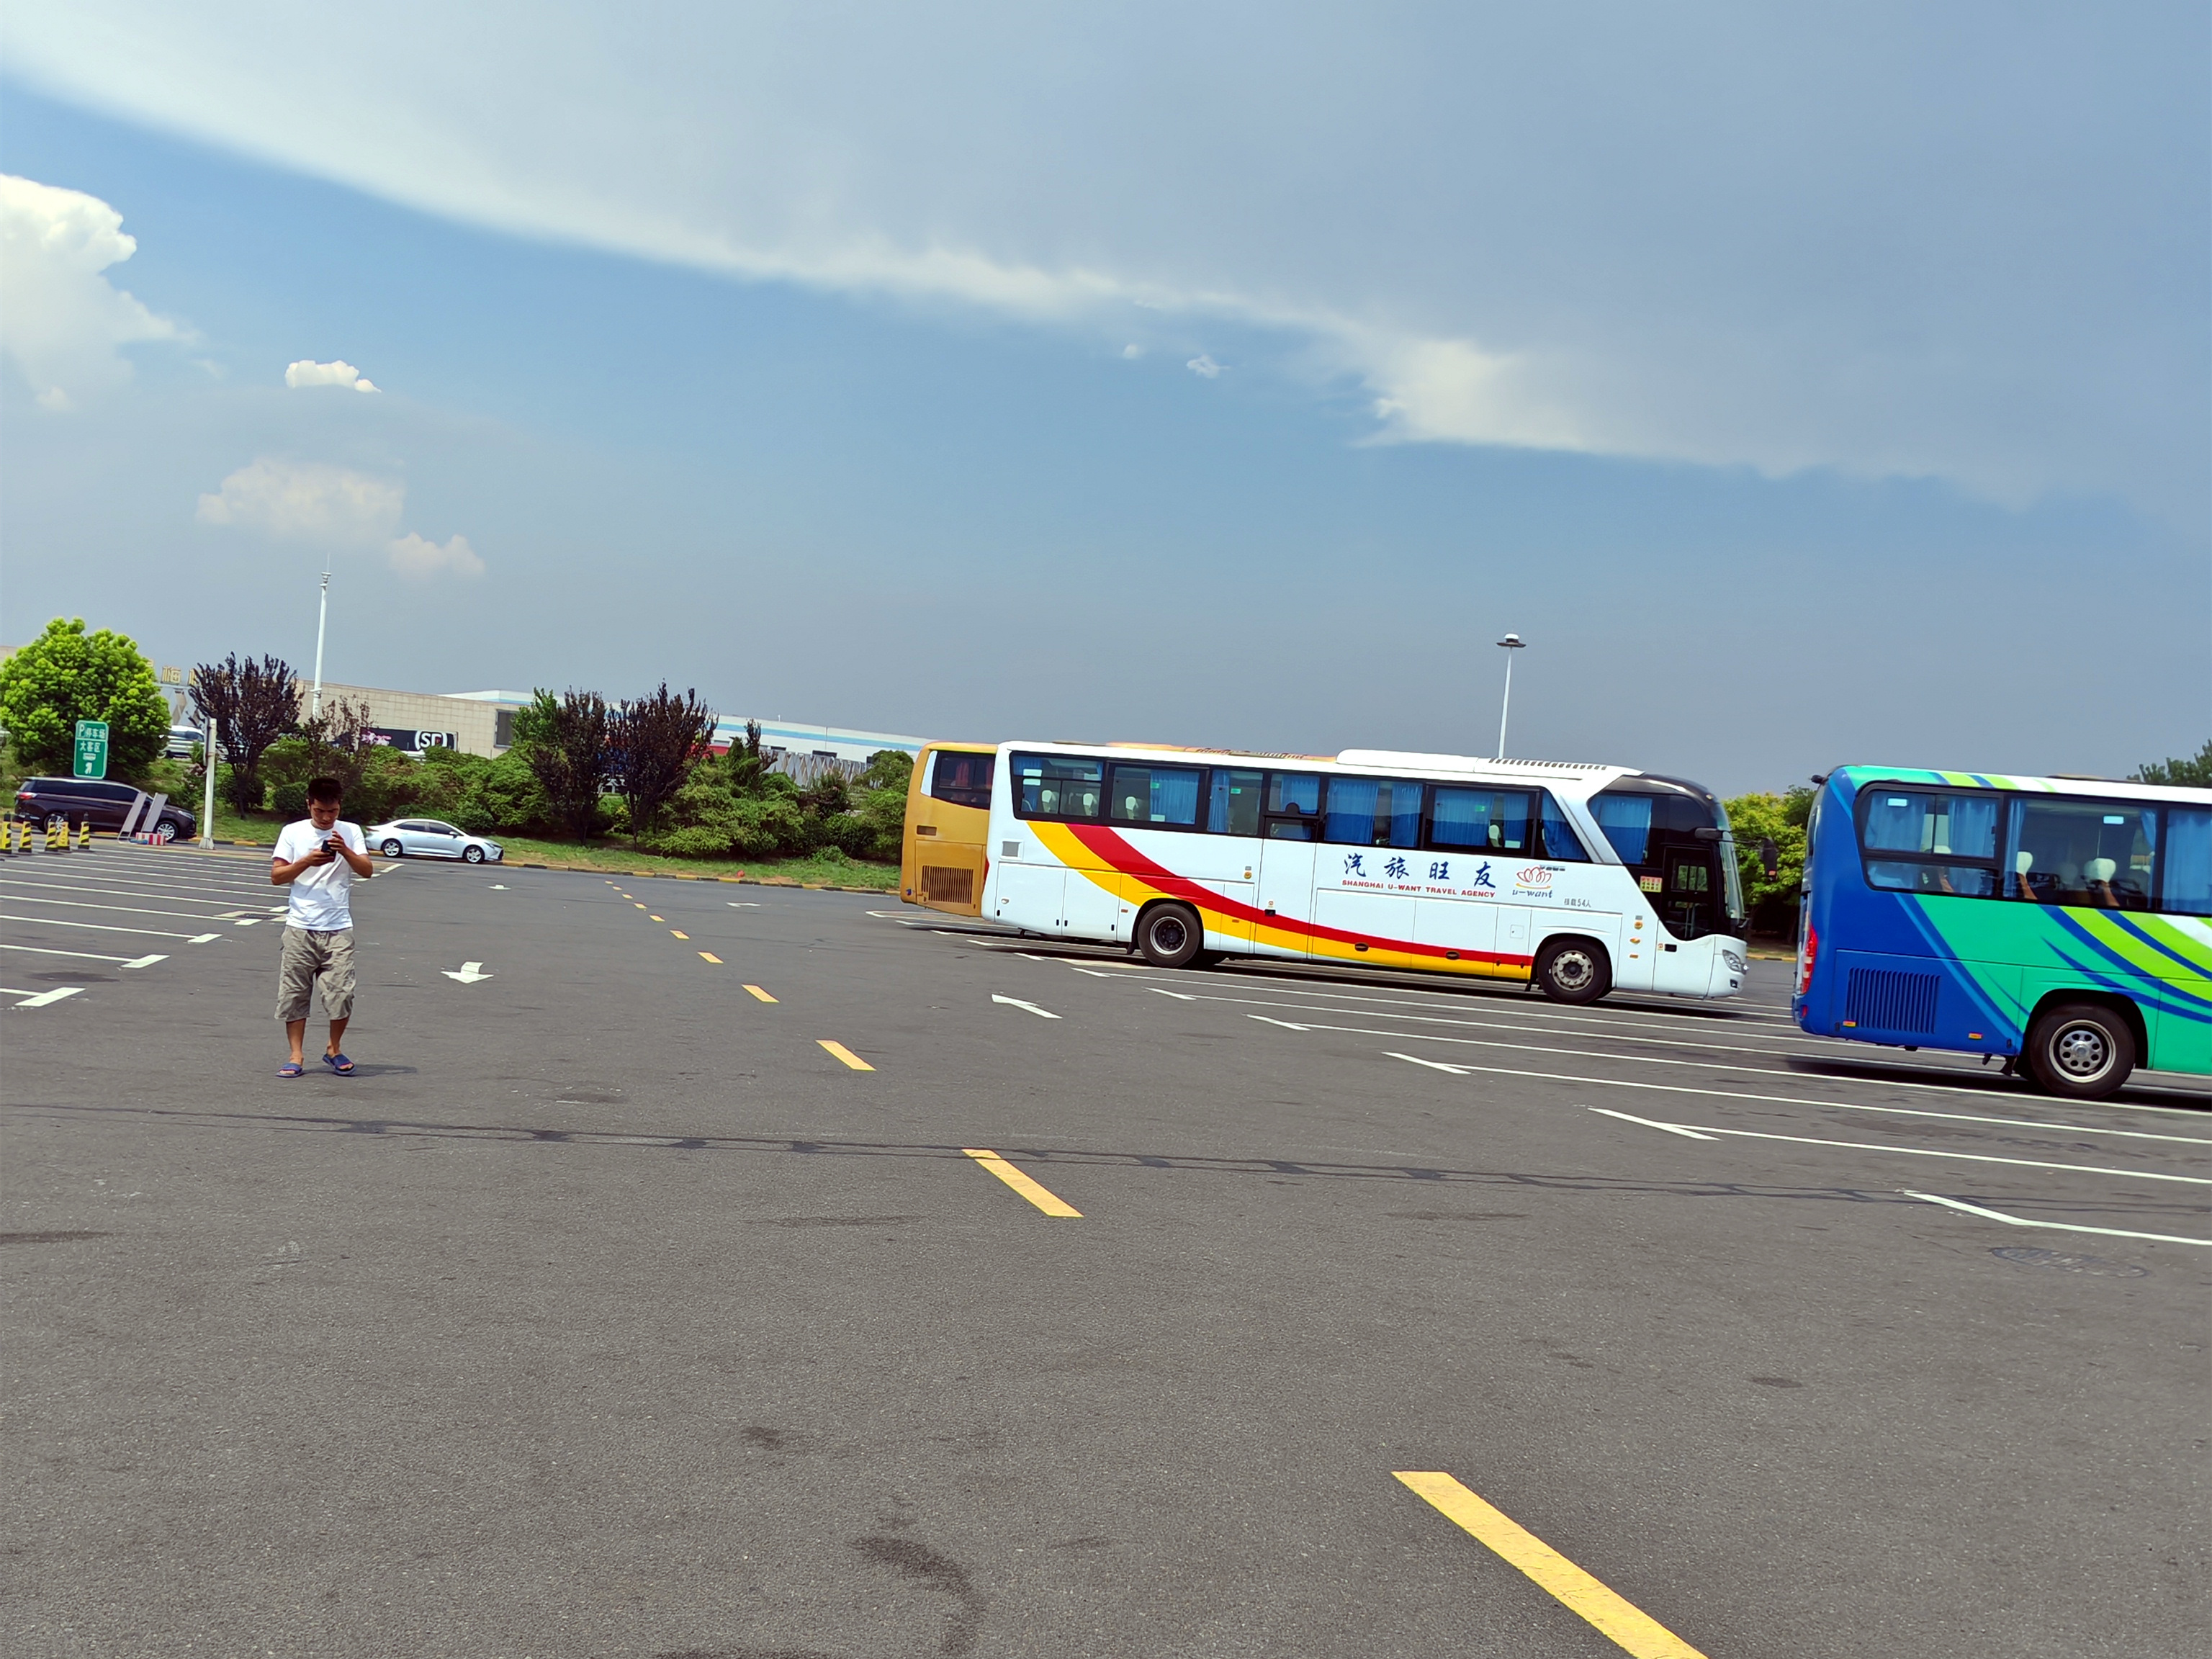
(322, 616)
(1511, 643)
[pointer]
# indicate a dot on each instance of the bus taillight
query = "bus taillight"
(1805, 955)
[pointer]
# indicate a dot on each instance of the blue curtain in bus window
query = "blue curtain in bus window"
(1352, 811)
(1494, 818)
(1942, 826)
(1295, 793)
(1059, 786)
(1561, 843)
(1164, 795)
(2187, 858)
(1233, 803)
(1626, 821)
(1406, 813)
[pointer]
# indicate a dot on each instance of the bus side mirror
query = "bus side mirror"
(1707, 832)
(1770, 857)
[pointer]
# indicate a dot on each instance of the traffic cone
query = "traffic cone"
(55, 842)
(84, 834)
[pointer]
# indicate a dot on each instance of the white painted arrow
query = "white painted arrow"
(469, 973)
(1016, 1002)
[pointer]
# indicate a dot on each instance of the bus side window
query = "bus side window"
(1561, 844)
(1476, 819)
(2185, 862)
(1373, 812)
(1058, 786)
(1233, 803)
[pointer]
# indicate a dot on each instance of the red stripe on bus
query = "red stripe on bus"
(1120, 858)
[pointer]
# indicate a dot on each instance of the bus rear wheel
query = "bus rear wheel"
(1573, 970)
(2082, 1051)
(1170, 936)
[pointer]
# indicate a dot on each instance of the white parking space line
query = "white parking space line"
(102, 870)
(2045, 1125)
(1648, 1060)
(232, 899)
(110, 928)
(88, 956)
(119, 909)
(1923, 1151)
(2057, 1226)
(41, 998)
(1498, 1025)
(122, 892)
(1654, 1123)
(1029, 1008)
(1521, 1006)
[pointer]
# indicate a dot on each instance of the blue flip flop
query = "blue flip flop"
(338, 1063)
(291, 1068)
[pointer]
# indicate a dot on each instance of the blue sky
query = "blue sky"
(1803, 392)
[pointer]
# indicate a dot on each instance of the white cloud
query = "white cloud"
(415, 556)
(307, 501)
(1204, 366)
(1133, 352)
(63, 320)
(333, 506)
(307, 372)
(1511, 225)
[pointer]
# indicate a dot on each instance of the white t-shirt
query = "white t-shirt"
(322, 898)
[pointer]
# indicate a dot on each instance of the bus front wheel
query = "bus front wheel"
(1170, 936)
(2082, 1050)
(1573, 970)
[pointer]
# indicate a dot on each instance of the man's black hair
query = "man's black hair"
(329, 791)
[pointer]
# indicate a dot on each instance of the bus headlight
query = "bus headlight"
(1736, 965)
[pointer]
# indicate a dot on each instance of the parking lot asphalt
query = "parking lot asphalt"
(680, 1275)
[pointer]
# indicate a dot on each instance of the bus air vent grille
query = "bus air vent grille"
(943, 885)
(1883, 999)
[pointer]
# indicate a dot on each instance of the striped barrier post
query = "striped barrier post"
(84, 835)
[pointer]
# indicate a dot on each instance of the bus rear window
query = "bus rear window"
(1059, 786)
(960, 779)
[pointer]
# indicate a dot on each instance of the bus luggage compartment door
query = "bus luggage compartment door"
(1030, 895)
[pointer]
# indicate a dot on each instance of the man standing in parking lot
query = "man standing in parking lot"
(318, 858)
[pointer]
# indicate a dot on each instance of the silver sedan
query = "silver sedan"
(430, 838)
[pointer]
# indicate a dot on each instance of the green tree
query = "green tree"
(253, 704)
(67, 675)
(2195, 769)
(658, 737)
(747, 766)
(1780, 818)
(564, 740)
(888, 768)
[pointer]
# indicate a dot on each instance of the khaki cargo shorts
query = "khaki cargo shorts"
(310, 957)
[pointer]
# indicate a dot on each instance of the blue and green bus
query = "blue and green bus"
(2063, 923)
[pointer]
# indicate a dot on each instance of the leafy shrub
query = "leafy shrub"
(289, 799)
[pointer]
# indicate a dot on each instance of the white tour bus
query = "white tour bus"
(1581, 877)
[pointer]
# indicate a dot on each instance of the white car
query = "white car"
(429, 838)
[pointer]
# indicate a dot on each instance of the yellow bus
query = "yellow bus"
(942, 860)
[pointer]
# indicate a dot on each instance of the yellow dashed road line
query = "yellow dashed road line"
(759, 994)
(712, 957)
(1046, 1200)
(1630, 1626)
(679, 933)
(845, 1054)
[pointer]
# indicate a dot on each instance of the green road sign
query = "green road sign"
(91, 748)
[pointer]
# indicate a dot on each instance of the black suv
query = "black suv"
(103, 804)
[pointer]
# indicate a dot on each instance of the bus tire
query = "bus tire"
(1573, 970)
(1170, 935)
(2082, 1050)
